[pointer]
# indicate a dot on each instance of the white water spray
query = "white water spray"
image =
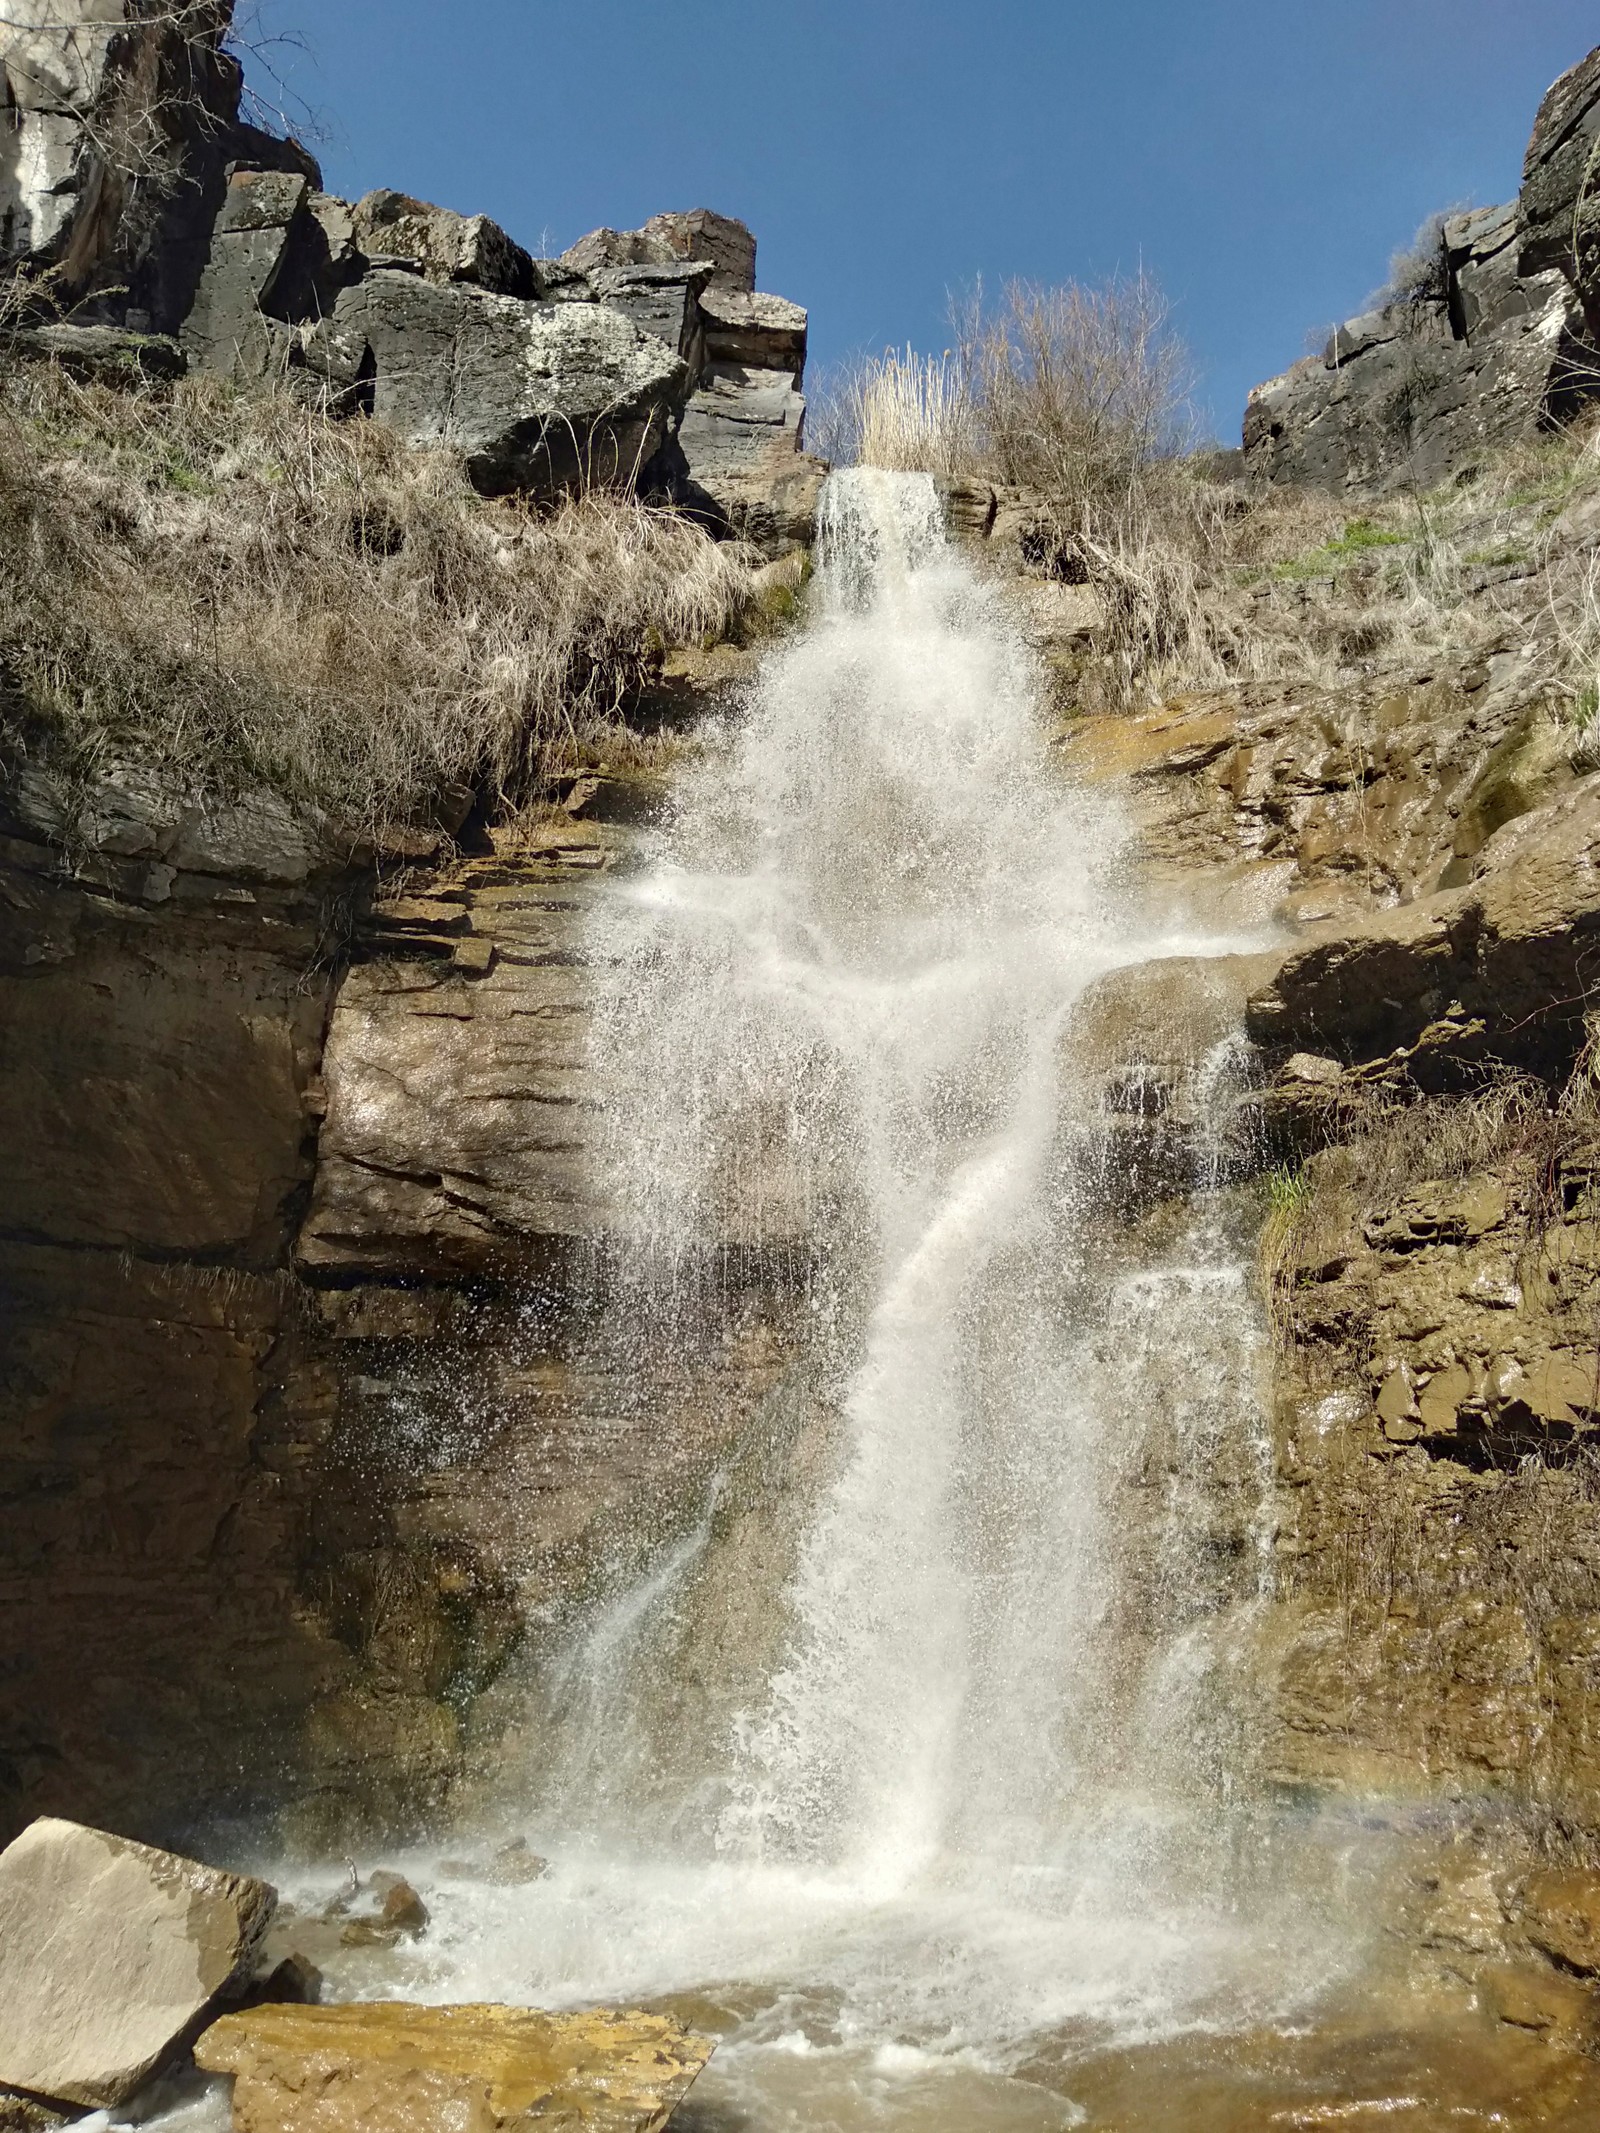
(958, 1761)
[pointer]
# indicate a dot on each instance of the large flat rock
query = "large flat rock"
(109, 1951)
(389, 2067)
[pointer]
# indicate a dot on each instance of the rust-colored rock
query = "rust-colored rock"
(389, 2067)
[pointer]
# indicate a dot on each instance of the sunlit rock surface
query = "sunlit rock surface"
(108, 1952)
(388, 2067)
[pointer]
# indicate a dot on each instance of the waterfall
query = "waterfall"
(925, 1733)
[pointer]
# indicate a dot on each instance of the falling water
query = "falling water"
(925, 1741)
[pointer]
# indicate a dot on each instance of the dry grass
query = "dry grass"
(904, 411)
(235, 590)
(1073, 401)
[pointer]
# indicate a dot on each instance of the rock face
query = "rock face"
(1403, 395)
(405, 2069)
(133, 197)
(392, 229)
(535, 396)
(109, 1951)
(1560, 200)
(122, 122)
(1493, 345)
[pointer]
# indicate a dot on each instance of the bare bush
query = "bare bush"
(1079, 393)
(1418, 271)
(241, 589)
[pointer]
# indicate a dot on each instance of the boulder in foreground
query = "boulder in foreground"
(109, 1952)
(389, 2067)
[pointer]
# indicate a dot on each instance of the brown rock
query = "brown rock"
(1561, 1912)
(387, 2067)
(401, 1914)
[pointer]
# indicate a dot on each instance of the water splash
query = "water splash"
(964, 1753)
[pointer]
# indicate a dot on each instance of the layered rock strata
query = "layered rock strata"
(1494, 342)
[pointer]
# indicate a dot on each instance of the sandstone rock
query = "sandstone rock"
(1543, 2001)
(535, 396)
(108, 1952)
(392, 229)
(386, 2067)
(1510, 950)
(1561, 1914)
(459, 1116)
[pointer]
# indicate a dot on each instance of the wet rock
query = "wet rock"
(30, 2114)
(1561, 1915)
(295, 1981)
(401, 1915)
(1558, 2008)
(108, 1952)
(388, 2064)
(512, 1866)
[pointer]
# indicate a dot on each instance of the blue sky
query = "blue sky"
(1261, 158)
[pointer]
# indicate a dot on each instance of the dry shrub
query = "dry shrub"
(237, 589)
(1079, 394)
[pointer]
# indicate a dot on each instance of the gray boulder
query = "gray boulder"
(741, 439)
(723, 244)
(665, 301)
(119, 208)
(1498, 346)
(109, 1953)
(536, 396)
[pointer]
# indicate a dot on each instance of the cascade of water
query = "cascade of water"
(973, 1769)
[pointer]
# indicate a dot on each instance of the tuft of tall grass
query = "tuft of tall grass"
(235, 589)
(903, 411)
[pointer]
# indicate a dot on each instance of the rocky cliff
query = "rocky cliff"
(295, 1110)
(1492, 337)
(144, 221)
